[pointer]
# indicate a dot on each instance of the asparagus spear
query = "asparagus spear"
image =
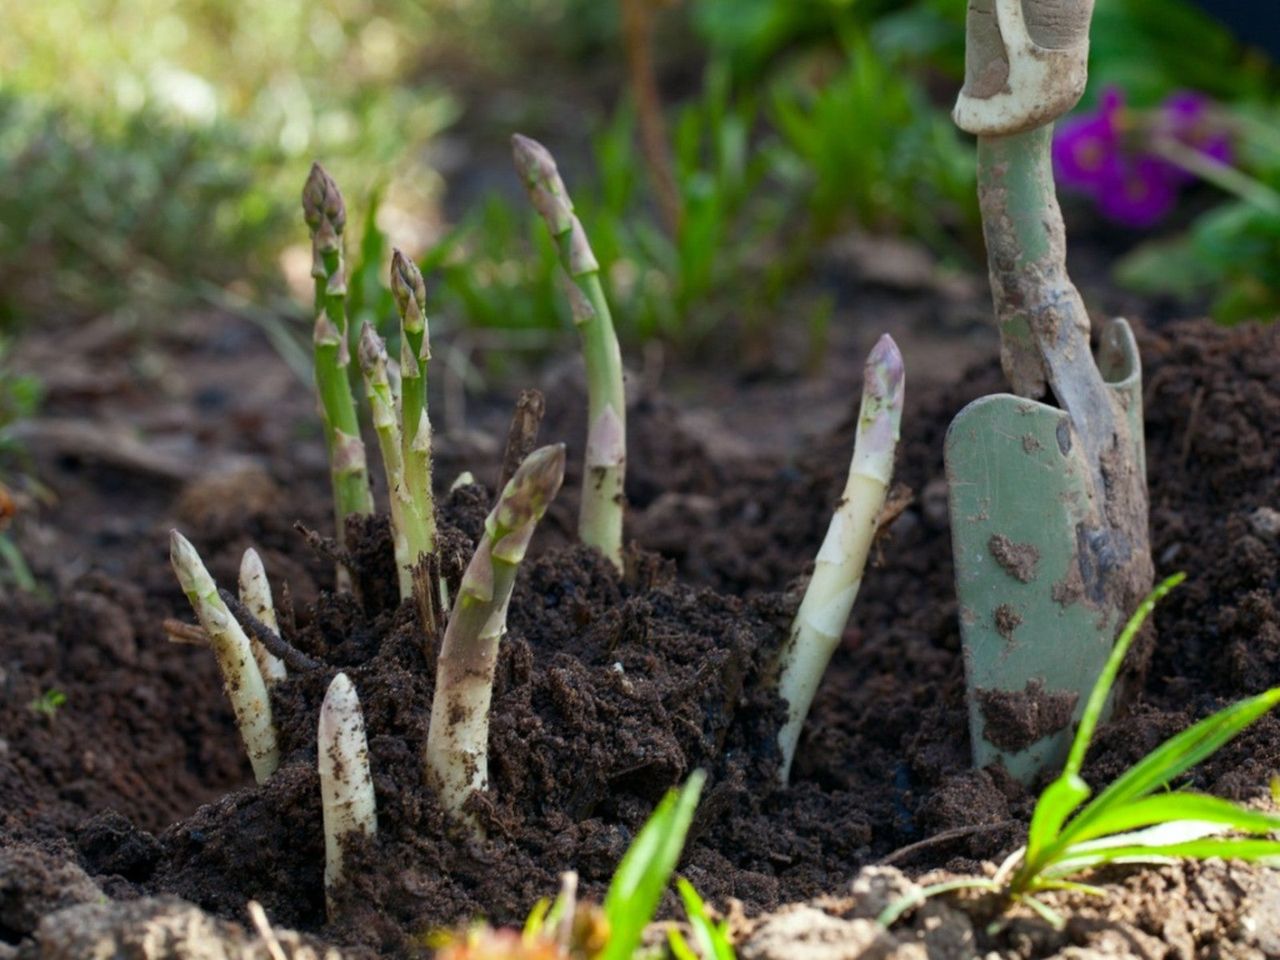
(241, 678)
(326, 217)
(346, 784)
(600, 516)
(255, 594)
(373, 364)
(837, 572)
(415, 436)
(457, 755)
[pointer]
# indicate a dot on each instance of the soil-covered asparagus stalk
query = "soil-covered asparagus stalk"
(241, 677)
(457, 757)
(346, 784)
(837, 572)
(415, 435)
(326, 217)
(600, 516)
(382, 404)
(255, 594)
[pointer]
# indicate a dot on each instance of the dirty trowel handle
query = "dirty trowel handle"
(1025, 63)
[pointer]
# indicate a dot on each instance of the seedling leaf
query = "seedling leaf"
(1226, 848)
(712, 938)
(646, 867)
(48, 703)
(1171, 759)
(1179, 806)
(1107, 678)
(1059, 800)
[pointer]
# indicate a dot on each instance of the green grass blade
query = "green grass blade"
(712, 938)
(1102, 686)
(536, 921)
(1059, 800)
(680, 948)
(1171, 759)
(1226, 848)
(1064, 796)
(1045, 912)
(646, 867)
(1167, 807)
(894, 911)
(1072, 886)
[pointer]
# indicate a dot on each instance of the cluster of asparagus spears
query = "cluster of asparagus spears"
(456, 754)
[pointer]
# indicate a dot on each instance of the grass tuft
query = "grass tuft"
(1135, 819)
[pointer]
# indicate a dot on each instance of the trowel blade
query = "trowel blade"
(1020, 499)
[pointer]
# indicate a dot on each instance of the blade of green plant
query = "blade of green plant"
(536, 921)
(21, 573)
(646, 867)
(1225, 848)
(1072, 886)
(1102, 687)
(712, 937)
(1169, 807)
(1045, 912)
(680, 948)
(1156, 835)
(1172, 758)
(1064, 796)
(891, 914)
(1059, 800)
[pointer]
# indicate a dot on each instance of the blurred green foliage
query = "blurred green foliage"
(20, 396)
(151, 152)
(877, 152)
(101, 212)
(1230, 254)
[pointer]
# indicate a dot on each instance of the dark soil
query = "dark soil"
(612, 688)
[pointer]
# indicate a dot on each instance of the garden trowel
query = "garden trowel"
(1033, 552)
(1048, 483)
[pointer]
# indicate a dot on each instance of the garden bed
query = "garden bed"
(612, 688)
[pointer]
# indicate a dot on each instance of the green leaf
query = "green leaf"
(1062, 797)
(1171, 759)
(1059, 800)
(536, 921)
(680, 948)
(890, 914)
(646, 867)
(712, 938)
(1102, 686)
(1226, 848)
(1165, 808)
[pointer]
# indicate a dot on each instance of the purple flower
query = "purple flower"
(1112, 154)
(1086, 147)
(1187, 117)
(1137, 191)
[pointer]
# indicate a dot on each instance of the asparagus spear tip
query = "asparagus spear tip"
(241, 678)
(837, 571)
(457, 755)
(255, 594)
(601, 512)
(346, 784)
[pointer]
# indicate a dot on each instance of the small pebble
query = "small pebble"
(1265, 522)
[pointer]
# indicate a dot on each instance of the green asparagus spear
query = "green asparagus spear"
(457, 755)
(326, 217)
(415, 434)
(600, 517)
